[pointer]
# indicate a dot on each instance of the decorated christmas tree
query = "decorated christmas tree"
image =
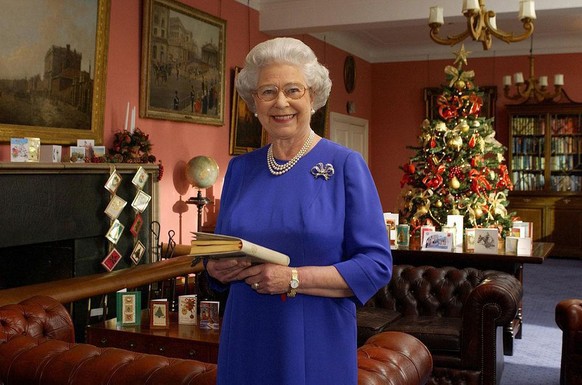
(459, 167)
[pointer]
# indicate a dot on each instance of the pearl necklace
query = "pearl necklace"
(280, 169)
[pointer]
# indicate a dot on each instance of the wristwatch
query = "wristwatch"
(293, 284)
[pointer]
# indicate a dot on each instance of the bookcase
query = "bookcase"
(545, 162)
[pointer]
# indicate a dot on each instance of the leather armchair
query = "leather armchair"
(457, 313)
(569, 320)
(36, 346)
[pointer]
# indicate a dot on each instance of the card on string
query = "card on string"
(136, 225)
(114, 232)
(115, 207)
(141, 201)
(113, 182)
(137, 253)
(111, 260)
(140, 178)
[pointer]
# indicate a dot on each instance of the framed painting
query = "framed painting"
(487, 110)
(182, 64)
(53, 73)
(246, 132)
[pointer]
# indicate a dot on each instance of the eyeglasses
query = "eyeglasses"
(270, 92)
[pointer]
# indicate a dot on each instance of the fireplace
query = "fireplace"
(52, 220)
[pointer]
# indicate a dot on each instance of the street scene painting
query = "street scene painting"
(51, 71)
(183, 57)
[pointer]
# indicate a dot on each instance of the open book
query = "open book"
(223, 246)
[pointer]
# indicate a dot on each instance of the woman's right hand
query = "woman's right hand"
(226, 270)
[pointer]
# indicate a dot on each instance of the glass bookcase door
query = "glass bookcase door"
(565, 158)
(528, 136)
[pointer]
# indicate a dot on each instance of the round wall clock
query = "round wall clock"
(350, 73)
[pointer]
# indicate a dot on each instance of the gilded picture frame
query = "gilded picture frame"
(182, 64)
(246, 132)
(55, 104)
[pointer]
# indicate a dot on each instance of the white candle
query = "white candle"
(471, 5)
(507, 80)
(436, 15)
(543, 81)
(126, 116)
(527, 9)
(493, 22)
(132, 120)
(518, 78)
(559, 80)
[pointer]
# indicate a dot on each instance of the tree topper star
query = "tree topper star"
(461, 56)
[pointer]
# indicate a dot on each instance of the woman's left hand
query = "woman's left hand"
(267, 278)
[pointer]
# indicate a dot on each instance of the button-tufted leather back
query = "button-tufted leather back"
(37, 318)
(427, 290)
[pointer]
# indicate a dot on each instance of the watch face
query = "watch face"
(294, 284)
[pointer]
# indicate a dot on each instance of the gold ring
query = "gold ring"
(256, 285)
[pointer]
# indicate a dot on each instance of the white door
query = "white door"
(349, 131)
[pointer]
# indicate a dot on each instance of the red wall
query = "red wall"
(388, 95)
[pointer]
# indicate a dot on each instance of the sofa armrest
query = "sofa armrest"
(493, 303)
(569, 315)
(38, 317)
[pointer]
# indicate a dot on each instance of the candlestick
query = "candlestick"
(126, 116)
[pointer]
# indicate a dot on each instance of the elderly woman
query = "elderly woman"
(313, 200)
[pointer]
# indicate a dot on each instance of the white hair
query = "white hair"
(284, 50)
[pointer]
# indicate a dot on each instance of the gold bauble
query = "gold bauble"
(454, 183)
(456, 143)
(464, 127)
(438, 204)
(460, 85)
(455, 212)
(478, 212)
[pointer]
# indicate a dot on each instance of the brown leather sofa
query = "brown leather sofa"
(569, 320)
(457, 313)
(37, 347)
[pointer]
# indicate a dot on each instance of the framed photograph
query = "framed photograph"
(115, 206)
(113, 182)
(246, 132)
(129, 308)
(136, 225)
(137, 253)
(111, 260)
(487, 110)
(140, 178)
(159, 318)
(141, 201)
(182, 64)
(43, 57)
(115, 231)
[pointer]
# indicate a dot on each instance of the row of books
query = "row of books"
(528, 145)
(567, 145)
(527, 162)
(564, 162)
(567, 183)
(523, 181)
(536, 125)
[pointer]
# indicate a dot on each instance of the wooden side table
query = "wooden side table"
(178, 341)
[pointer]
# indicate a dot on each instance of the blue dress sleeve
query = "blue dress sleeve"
(368, 263)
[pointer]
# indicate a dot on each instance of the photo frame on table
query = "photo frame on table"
(182, 79)
(246, 132)
(33, 111)
(487, 110)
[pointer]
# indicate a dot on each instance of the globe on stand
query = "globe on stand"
(201, 172)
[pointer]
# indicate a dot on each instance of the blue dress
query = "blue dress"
(309, 340)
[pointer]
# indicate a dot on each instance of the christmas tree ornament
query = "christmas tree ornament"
(456, 143)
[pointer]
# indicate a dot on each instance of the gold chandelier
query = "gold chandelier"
(481, 24)
(534, 89)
